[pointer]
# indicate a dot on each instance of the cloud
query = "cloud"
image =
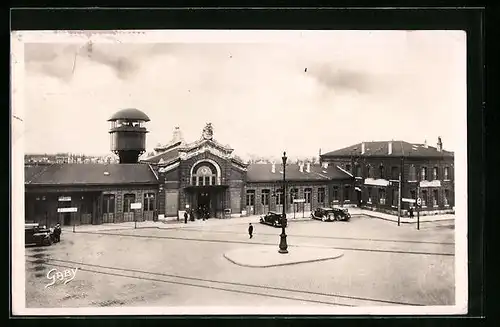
(258, 96)
(343, 78)
(60, 60)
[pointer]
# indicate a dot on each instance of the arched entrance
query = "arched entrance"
(206, 196)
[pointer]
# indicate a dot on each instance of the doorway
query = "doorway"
(66, 218)
(359, 197)
(204, 204)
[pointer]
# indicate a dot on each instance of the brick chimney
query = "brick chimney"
(301, 167)
(390, 147)
(308, 167)
(425, 144)
(273, 168)
(440, 144)
(363, 148)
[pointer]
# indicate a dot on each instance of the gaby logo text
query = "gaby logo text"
(66, 275)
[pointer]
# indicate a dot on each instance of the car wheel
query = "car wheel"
(323, 219)
(47, 241)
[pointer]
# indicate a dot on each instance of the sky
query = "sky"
(262, 98)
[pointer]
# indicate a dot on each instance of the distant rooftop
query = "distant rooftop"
(381, 149)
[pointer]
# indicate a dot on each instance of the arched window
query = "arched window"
(204, 175)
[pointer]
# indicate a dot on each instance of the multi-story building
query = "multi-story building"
(179, 176)
(427, 173)
(207, 173)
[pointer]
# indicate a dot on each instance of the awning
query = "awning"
(357, 189)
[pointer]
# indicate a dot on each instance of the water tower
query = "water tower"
(128, 134)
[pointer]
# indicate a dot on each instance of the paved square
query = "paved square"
(382, 264)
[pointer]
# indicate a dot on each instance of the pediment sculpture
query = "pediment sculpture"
(208, 131)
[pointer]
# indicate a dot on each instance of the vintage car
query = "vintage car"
(272, 218)
(331, 214)
(324, 214)
(341, 214)
(36, 234)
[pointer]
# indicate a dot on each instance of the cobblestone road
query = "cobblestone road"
(383, 264)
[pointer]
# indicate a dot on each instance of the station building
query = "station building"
(427, 172)
(179, 176)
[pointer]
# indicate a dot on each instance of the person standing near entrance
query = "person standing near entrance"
(185, 217)
(250, 230)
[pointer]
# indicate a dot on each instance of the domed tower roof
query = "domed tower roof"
(129, 114)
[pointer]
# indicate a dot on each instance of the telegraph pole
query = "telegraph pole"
(418, 203)
(399, 200)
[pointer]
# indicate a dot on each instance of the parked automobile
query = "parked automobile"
(323, 214)
(272, 218)
(341, 214)
(36, 234)
(331, 214)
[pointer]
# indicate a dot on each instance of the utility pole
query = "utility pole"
(418, 203)
(399, 199)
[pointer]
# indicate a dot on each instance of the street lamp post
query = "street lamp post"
(283, 246)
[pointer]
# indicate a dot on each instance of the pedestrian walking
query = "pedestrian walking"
(57, 233)
(185, 217)
(411, 212)
(250, 230)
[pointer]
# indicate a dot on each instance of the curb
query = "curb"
(402, 222)
(281, 264)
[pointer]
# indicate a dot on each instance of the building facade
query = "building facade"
(426, 172)
(76, 194)
(207, 174)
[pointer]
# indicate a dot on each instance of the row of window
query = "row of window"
(108, 204)
(266, 194)
(370, 172)
(424, 196)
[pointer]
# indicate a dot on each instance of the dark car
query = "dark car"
(324, 214)
(36, 234)
(341, 214)
(272, 219)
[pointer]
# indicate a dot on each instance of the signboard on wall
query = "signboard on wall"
(65, 198)
(299, 200)
(136, 205)
(408, 200)
(62, 210)
(435, 183)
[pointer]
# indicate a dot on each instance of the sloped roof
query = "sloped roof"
(381, 148)
(30, 172)
(263, 173)
(90, 174)
(167, 156)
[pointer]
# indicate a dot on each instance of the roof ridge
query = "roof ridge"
(161, 153)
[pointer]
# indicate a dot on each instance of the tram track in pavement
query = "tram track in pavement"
(298, 295)
(197, 229)
(212, 240)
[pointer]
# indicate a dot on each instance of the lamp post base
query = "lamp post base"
(283, 246)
